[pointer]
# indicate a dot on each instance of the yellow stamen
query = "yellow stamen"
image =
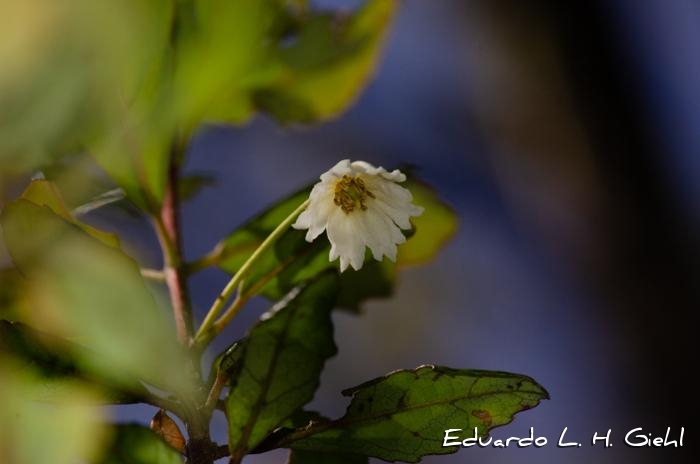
(350, 192)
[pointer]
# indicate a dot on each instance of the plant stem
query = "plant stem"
(200, 449)
(168, 227)
(218, 305)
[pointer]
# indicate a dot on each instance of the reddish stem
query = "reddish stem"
(175, 276)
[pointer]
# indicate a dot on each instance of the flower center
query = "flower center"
(351, 193)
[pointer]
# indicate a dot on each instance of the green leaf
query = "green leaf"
(326, 63)
(11, 302)
(46, 193)
(133, 141)
(283, 359)
(135, 444)
(93, 294)
(403, 416)
(99, 201)
(230, 40)
(137, 156)
(228, 364)
(53, 359)
(231, 360)
(292, 260)
(71, 74)
(280, 57)
(312, 457)
(33, 432)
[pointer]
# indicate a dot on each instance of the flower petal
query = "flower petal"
(381, 209)
(346, 243)
(315, 217)
(340, 169)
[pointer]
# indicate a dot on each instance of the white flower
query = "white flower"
(359, 205)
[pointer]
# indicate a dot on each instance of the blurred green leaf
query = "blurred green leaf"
(135, 444)
(134, 137)
(33, 432)
(99, 201)
(222, 51)
(295, 63)
(292, 260)
(45, 193)
(325, 63)
(52, 360)
(313, 457)
(403, 416)
(12, 301)
(70, 69)
(92, 294)
(282, 362)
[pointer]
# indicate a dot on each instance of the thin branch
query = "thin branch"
(233, 309)
(204, 337)
(153, 274)
(228, 290)
(241, 299)
(213, 399)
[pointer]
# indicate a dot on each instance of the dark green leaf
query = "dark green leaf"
(232, 358)
(52, 358)
(289, 262)
(299, 418)
(293, 260)
(313, 457)
(403, 416)
(135, 444)
(283, 359)
(302, 418)
(229, 363)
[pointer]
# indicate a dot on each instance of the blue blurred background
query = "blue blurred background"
(566, 137)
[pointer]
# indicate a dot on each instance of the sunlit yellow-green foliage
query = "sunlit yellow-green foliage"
(89, 292)
(127, 83)
(64, 431)
(125, 79)
(68, 68)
